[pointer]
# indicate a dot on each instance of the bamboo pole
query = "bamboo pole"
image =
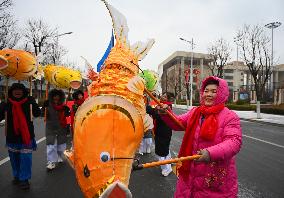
(46, 97)
(163, 162)
(6, 101)
(31, 94)
(167, 111)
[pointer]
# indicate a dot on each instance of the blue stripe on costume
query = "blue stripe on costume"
(22, 148)
(21, 165)
(21, 159)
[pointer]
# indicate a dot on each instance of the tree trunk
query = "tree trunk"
(187, 91)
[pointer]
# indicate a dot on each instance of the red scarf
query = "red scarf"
(208, 130)
(61, 114)
(20, 121)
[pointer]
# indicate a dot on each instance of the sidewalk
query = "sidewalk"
(252, 116)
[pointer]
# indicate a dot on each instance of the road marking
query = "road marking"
(3, 161)
(271, 143)
(40, 140)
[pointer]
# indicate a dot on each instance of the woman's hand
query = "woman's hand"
(205, 156)
(162, 110)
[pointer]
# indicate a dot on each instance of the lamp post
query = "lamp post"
(272, 26)
(57, 44)
(191, 67)
(236, 39)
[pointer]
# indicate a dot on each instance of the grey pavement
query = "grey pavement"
(260, 168)
(251, 116)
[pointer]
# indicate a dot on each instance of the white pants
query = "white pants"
(145, 145)
(166, 167)
(55, 151)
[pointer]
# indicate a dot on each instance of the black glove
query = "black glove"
(46, 103)
(3, 106)
(31, 100)
(66, 111)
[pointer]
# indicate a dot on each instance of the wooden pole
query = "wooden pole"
(6, 101)
(69, 94)
(167, 111)
(31, 94)
(163, 162)
(46, 97)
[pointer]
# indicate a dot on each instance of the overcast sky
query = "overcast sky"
(163, 20)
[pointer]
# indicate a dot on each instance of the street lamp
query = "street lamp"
(64, 34)
(236, 39)
(57, 43)
(191, 67)
(272, 26)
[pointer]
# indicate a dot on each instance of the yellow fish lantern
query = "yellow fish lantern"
(67, 78)
(3, 62)
(48, 71)
(20, 64)
(63, 77)
(110, 124)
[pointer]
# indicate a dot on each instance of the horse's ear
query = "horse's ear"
(141, 48)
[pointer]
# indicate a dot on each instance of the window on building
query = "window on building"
(230, 84)
(228, 71)
(229, 77)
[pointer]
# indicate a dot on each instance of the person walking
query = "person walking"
(56, 127)
(163, 134)
(214, 132)
(20, 137)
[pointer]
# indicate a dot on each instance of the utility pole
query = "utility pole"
(191, 67)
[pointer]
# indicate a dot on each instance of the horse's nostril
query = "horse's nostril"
(86, 171)
(105, 156)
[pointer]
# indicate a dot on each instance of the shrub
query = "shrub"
(272, 110)
(241, 107)
(242, 102)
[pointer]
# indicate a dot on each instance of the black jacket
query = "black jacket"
(53, 128)
(7, 107)
(163, 133)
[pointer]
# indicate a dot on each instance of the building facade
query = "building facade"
(175, 70)
(175, 73)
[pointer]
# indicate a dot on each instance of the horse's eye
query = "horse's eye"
(105, 156)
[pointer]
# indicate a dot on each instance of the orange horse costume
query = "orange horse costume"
(109, 125)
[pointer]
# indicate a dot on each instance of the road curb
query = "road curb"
(262, 122)
(2, 123)
(251, 120)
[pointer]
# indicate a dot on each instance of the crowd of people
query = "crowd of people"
(211, 131)
(19, 111)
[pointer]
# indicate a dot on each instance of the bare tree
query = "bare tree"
(220, 51)
(4, 4)
(38, 34)
(173, 82)
(53, 53)
(254, 44)
(9, 34)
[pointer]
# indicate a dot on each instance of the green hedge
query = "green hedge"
(272, 110)
(183, 102)
(242, 102)
(241, 107)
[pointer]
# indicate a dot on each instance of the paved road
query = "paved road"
(260, 169)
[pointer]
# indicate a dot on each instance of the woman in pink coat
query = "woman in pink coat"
(214, 132)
